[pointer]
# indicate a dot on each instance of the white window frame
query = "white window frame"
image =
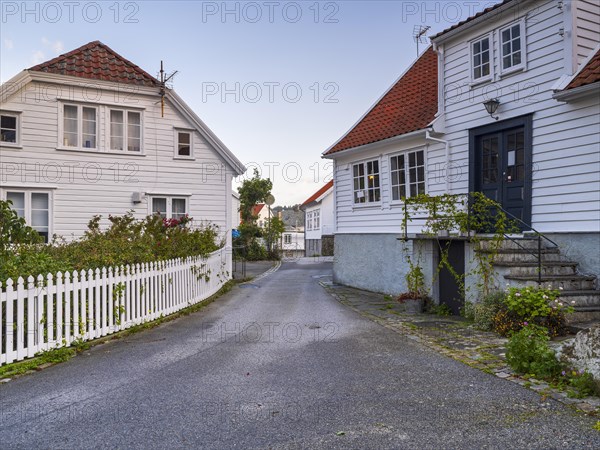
(287, 238)
(407, 178)
(169, 204)
(176, 154)
(27, 205)
(61, 127)
(125, 131)
(317, 216)
(365, 178)
(523, 63)
(309, 216)
(17, 116)
(489, 76)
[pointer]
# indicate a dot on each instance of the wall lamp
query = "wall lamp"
(491, 106)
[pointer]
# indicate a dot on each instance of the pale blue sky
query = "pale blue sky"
(341, 55)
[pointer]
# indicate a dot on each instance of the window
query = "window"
(287, 238)
(34, 207)
(8, 129)
(407, 174)
(169, 207)
(125, 130)
(480, 59)
(184, 144)
(511, 47)
(366, 182)
(309, 217)
(317, 219)
(79, 126)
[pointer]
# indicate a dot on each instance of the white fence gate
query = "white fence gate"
(45, 313)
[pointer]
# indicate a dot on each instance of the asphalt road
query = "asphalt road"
(277, 364)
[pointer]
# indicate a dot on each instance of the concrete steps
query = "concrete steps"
(517, 261)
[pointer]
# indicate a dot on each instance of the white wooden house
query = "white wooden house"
(90, 133)
(318, 220)
(292, 242)
(538, 154)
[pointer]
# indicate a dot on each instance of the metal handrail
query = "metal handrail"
(538, 234)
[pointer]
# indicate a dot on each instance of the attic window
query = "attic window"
(183, 144)
(8, 129)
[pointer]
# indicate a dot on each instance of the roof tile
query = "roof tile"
(588, 75)
(410, 105)
(317, 194)
(97, 61)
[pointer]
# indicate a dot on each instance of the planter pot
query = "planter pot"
(413, 306)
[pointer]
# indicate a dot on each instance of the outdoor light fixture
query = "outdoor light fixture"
(491, 106)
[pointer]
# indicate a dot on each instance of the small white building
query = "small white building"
(292, 242)
(319, 222)
(235, 210)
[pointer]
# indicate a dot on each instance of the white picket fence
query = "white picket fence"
(45, 313)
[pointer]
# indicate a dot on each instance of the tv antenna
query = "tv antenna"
(165, 82)
(419, 32)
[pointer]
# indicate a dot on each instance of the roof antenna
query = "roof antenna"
(419, 32)
(164, 79)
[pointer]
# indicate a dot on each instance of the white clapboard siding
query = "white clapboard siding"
(87, 183)
(386, 216)
(587, 20)
(565, 143)
(54, 311)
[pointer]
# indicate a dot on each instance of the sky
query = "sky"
(278, 82)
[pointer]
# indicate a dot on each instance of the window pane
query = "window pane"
(39, 218)
(183, 144)
(134, 118)
(477, 47)
(516, 31)
(8, 129)
(420, 158)
(178, 208)
(485, 45)
(18, 202)
(516, 59)
(39, 201)
(89, 127)
(70, 137)
(159, 206)
(506, 35)
(117, 130)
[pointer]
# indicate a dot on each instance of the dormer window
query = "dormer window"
(481, 59)
(79, 127)
(511, 47)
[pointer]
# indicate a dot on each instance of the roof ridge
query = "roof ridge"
(47, 65)
(320, 192)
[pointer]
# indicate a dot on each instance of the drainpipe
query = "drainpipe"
(447, 145)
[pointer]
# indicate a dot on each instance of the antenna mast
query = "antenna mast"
(164, 79)
(419, 32)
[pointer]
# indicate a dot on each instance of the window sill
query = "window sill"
(99, 152)
(512, 71)
(185, 158)
(477, 83)
(11, 145)
(377, 205)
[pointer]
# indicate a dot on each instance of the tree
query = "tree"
(252, 192)
(274, 229)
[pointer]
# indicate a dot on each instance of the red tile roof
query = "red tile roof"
(256, 209)
(473, 17)
(588, 75)
(410, 105)
(97, 61)
(317, 194)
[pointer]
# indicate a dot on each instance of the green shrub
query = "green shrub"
(528, 352)
(486, 310)
(125, 241)
(255, 251)
(531, 302)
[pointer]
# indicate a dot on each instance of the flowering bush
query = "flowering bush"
(530, 302)
(125, 241)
